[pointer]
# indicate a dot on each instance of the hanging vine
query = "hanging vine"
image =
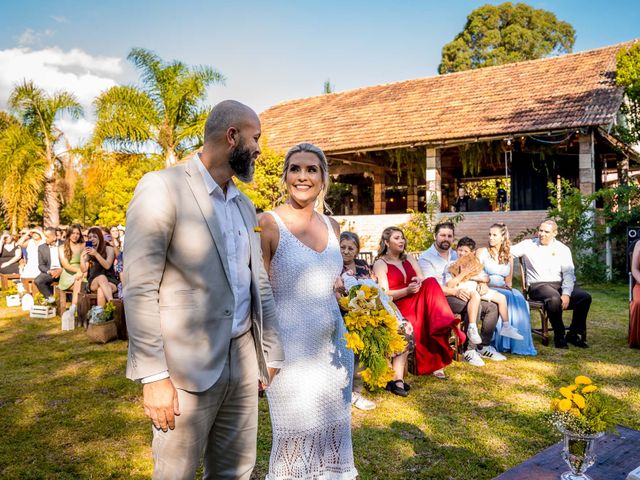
(475, 156)
(409, 160)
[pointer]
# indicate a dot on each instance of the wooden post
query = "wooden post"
(412, 193)
(379, 200)
(434, 168)
(355, 205)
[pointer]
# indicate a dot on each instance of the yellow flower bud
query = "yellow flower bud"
(582, 380)
(579, 400)
(566, 393)
(589, 389)
(564, 405)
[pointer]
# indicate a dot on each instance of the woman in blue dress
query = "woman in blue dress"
(498, 265)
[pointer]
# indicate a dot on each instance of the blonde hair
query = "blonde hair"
(504, 253)
(324, 169)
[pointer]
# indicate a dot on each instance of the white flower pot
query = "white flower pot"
(13, 300)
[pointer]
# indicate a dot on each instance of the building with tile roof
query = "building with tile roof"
(392, 146)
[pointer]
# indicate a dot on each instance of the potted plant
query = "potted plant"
(12, 296)
(41, 308)
(102, 326)
(582, 414)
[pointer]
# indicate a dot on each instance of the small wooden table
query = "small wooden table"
(617, 455)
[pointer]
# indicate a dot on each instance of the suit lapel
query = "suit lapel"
(199, 190)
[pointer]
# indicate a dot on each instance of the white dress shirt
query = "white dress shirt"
(236, 238)
(55, 257)
(435, 265)
(547, 263)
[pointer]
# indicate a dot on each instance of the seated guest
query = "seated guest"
(634, 309)
(70, 253)
(420, 301)
(478, 283)
(10, 254)
(435, 263)
(96, 262)
(551, 279)
(29, 242)
(349, 248)
(48, 264)
(498, 265)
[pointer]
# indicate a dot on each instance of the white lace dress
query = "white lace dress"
(310, 399)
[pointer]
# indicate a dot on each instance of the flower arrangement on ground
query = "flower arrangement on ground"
(582, 408)
(372, 330)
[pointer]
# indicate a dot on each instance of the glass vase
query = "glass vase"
(578, 452)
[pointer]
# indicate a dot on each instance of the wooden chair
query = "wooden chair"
(543, 331)
(545, 326)
(62, 298)
(367, 257)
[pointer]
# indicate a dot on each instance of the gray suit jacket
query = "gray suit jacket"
(179, 303)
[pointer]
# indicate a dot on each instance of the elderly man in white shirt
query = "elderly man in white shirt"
(551, 279)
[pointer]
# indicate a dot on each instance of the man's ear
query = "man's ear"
(232, 136)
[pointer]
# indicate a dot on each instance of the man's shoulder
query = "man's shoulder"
(428, 252)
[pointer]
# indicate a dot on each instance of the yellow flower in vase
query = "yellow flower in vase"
(579, 400)
(582, 380)
(564, 405)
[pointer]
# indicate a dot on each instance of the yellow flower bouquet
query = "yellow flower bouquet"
(372, 331)
(581, 408)
(582, 414)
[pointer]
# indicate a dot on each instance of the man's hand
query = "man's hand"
(55, 273)
(463, 295)
(565, 301)
(161, 403)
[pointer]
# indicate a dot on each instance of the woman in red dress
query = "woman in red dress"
(420, 300)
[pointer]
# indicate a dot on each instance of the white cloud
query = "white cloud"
(59, 18)
(32, 37)
(53, 69)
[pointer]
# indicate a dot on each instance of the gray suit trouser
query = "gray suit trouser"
(221, 423)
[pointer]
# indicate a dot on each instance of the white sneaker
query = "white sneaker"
(360, 402)
(509, 331)
(51, 299)
(473, 358)
(472, 333)
(491, 353)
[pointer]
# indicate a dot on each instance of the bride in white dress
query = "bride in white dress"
(310, 399)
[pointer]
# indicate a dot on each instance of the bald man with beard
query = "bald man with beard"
(200, 311)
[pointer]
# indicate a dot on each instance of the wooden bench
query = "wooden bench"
(5, 278)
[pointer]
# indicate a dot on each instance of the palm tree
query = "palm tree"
(166, 111)
(21, 171)
(37, 112)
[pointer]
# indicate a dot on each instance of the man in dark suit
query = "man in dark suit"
(49, 264)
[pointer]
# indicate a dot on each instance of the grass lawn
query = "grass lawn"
(69, 412)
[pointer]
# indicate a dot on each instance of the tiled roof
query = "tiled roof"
(567, 91)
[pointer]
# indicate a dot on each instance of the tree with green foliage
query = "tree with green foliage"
(21, 171)
(265, 190)
(506, 33)
(37, 113)
(628, 76)
(106, 186)
(166, 111)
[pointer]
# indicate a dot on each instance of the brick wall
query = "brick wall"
(475, 224)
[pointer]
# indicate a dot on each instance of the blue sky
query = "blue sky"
(269, 51)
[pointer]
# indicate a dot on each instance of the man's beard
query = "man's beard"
(442, 244)
(242, 163)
